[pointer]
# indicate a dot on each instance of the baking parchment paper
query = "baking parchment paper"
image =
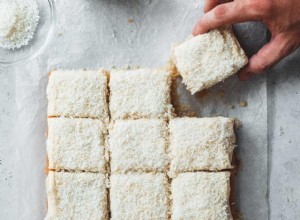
(107, 33)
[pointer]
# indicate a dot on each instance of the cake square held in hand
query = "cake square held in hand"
(138, 145)
(198, 144)
(76, 196)
(76, 144)
(209, 58)
(139, 196)
(201, 196)
(141, 93)
(77, 93)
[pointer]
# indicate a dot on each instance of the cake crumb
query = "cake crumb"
(172, 69)
(126, 67)
(185, 111)
(243, 103)
(239, 216)
(203, 93)
(130, 20)
(238, 124)
(221, 94)
(281, 131)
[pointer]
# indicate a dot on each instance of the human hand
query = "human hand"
(282, 17)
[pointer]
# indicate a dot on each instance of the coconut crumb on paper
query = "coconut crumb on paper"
(237, 123)
(130, 20)
(243, 104)
(183, 110)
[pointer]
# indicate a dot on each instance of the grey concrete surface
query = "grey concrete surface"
(283, 128)
(284, 138)
(7, 118)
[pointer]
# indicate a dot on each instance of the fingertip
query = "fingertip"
(258, 64)
(200, 27)
(195, 31)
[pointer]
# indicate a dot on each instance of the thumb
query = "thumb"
(278, 48)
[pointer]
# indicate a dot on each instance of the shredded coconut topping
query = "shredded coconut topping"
(201, 144)
(201, 196)
(76, 196)
(139, 196)
(77, 93)
(142, 93)
(138, 145)
(76, 144)
(18, 22)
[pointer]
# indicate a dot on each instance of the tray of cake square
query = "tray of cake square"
(147, 154)
(179, 152)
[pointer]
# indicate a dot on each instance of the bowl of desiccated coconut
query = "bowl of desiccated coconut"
(26, 27)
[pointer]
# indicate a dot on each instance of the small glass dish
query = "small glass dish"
(38, 43)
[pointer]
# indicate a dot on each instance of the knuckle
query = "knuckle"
(288, 42)
(220, 11)
(288, 49)
(262, 6)
(261, 66)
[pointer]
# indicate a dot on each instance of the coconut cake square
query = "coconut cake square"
(140, 93)
(198, 144)
(76, 144)
(139, 196)
(201, 196)
(76, 196)
(208, 59)
(138, 145)
(77, 93)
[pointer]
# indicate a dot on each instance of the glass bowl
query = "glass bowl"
(38, 43)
